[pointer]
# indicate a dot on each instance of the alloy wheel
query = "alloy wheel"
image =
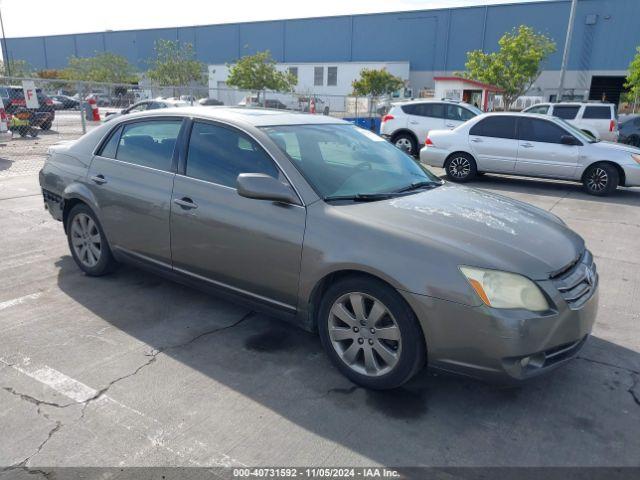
(364, 334)
(86, 240)
(459, 167)
(598, 180)
(404, 144)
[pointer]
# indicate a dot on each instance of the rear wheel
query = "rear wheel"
(46, 126)
(407, 143)
(461, 167)
(601, 179)
(370, 333)
(87, 242)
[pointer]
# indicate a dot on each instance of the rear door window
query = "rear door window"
(566, 112)
(149, 143)
(536, 130)
(597, 112)
(432, 110)
(495, 126)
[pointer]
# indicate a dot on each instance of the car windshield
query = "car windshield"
(584, 136)
(343, 161)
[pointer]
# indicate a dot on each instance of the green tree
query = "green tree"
(258, 72)
(515, 66)
(633, 79)
(175, 64)
(102, 67)
(374, 83)
(17, 68)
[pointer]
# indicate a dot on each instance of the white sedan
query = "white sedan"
(531, 145)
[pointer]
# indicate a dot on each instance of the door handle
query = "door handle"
(450, 125)
(99, 179)
(185, 202)
(526, 145)
(413, 122)
(476, 140)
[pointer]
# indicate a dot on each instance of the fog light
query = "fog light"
(525, 361)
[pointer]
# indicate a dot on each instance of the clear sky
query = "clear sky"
(25, 18)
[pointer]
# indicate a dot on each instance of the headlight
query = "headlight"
(636, 157)
(505, 290)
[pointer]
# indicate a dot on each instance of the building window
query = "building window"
(332, 76)
(318, 76)
(294, 71)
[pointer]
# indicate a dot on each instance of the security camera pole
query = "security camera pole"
(567, 47)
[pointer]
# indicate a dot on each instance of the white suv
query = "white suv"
(408, 123)
(600, 120)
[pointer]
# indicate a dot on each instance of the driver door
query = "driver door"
(249, 246)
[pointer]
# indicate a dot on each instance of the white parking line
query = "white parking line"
(19, 300)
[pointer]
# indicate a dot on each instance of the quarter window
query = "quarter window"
(566, 112)
(109, 149)
(600, 112)
(536, 130)
(541, 109)
(497, 126)
(149, 144)
(218, 154)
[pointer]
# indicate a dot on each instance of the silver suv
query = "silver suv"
(327, 225)
(408, 123)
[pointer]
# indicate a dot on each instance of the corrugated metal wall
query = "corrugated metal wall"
(431, 40)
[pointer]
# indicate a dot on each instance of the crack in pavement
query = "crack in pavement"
(635, 376)
(100, 393)
(632, 389)
(606, 364)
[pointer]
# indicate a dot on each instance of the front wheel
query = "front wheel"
(461, 167)
(601, 179)
(370, 334)
(87, 242)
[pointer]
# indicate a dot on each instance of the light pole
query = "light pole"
(567, 47)
(5, 51)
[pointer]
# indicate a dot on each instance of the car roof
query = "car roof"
(428, 100)
(257, 117)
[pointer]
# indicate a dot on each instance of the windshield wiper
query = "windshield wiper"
(361, 197)
(419, 185)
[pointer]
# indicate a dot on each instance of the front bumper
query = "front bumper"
(631, 175)
(506, 345)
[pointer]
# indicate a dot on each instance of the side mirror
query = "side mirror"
(568, 140)
(264, 187)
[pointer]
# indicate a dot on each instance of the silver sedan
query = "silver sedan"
(329, 226)
(531, 145)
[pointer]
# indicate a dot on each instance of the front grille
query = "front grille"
(577, 282)
(562, 352)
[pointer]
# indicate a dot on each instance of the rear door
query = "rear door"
(249, 246)
(541, 152)
(131, 178)
(424, 118)
(493, 141)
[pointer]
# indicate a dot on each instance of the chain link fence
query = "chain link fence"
(65, 110)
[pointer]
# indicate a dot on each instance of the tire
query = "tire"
(407, 143)
(601, 179)
(88, 243)
(355, 342)
(46, 126)
(461, 167)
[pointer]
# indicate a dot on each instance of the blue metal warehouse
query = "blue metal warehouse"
(434, 42)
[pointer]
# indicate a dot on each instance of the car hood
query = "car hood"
(482, 229)
(614, 147)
